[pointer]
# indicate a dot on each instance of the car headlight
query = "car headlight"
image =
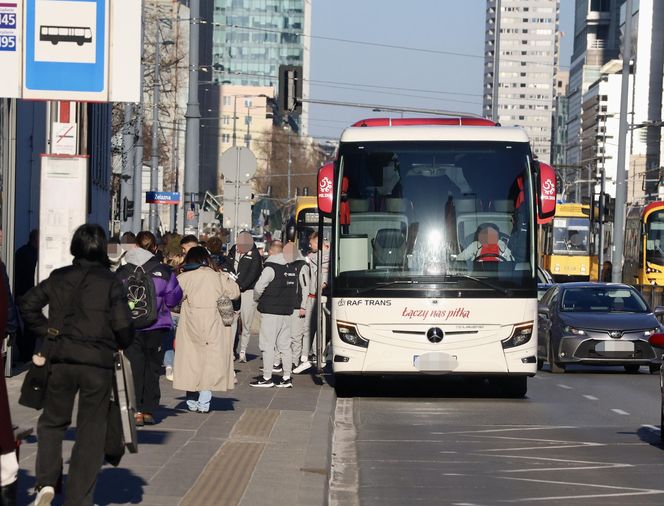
(648, 333)
(521, 334)
(575, 331)
(349, 334)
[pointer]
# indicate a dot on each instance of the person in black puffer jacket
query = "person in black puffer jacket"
(89, 304)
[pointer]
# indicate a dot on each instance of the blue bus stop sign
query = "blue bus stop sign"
(65, 45)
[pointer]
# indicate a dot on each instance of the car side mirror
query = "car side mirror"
(659, 311)
(543, 310)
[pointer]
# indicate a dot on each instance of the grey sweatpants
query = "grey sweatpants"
(247, 312)
(275, 331)
(297, 333)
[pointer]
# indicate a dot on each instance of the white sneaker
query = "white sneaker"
(45, 496)
(169, 373)
(243, 357)
(302, 367)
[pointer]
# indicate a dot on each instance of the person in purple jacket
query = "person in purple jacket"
(145, 353)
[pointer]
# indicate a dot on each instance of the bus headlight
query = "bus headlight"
(520, 335)
(348, 334)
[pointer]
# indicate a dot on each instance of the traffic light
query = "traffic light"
(127, 209)
(290, 89)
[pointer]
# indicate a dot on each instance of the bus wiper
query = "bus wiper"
(385, 284)
(484, 282)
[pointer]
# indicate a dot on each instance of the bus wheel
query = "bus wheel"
(555, 367)
(346, 385)
(515, 386)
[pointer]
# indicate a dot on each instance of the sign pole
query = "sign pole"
(193, 117)
(154, 171)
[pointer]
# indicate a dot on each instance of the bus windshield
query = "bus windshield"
(570, 236)
(655, 238)
(435, 211)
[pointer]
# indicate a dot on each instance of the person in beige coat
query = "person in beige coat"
(203, 358)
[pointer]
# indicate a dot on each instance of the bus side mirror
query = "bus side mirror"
(326, 189)
(546, 198)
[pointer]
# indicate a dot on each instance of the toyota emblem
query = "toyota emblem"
(435, 335)
(615, 334)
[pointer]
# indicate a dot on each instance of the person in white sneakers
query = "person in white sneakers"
(276, 294)
(310, 308)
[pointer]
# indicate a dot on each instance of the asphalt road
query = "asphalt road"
(588, 437)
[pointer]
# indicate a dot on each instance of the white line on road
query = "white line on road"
(344, 473)
(591, 397)
(566, 387)
(619, 411)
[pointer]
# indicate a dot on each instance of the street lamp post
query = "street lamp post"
(193, 118)
(153, 218)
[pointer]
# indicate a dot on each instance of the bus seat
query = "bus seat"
(467, 206)
(394, 205)
(389, 248)
(358, 205)
(503, 206)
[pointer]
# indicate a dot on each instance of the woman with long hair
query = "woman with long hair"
(90, 319)
(203, 354)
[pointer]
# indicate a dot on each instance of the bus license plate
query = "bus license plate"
(435, 361)
(609, 346)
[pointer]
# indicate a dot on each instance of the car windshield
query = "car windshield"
(602, 299)
(655, 238)
(425, 210)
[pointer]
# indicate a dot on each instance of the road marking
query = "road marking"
(619, 411)
(633, 491)
(591, 397)
(566, 387)
(592, 465)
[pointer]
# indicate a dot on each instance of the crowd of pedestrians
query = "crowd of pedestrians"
(162, 303)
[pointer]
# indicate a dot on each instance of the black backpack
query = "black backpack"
(142, 295)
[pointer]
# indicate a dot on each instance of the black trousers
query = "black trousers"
(146, 357)
(93, 385)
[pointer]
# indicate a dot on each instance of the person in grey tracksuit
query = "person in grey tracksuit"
(301, 268)
(276, 294)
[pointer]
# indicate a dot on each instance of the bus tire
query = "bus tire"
(515, 386)
(555, 367)
(345, 385)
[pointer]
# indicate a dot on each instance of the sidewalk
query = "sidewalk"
(256, 446)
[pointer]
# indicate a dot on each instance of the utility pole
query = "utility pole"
(235, 121)
(621, 176)
(127, 184)
(193, 117)
(154, 171)
(602, 211)
(138, 153)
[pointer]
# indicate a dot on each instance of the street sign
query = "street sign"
(238, 163)
(11, 22)
(242, 192)
(64, 138)
(172, 198)
(66, 48)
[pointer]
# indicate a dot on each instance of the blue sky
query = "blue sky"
(407, 78)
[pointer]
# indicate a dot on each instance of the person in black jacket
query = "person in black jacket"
(244, 261)
(89, 314)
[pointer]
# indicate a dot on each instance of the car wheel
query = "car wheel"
(514, 386)
(654, 368)
(632, 368)
(556, 368)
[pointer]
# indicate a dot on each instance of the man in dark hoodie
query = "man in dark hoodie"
(244, 261)
(145, 353)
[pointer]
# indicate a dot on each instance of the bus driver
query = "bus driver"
(487, 246)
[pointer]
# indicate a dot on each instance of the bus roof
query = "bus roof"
(306, 202)
(651, 208)
(434, 133)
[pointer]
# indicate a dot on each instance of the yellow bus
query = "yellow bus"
(302, 220)
(568, 252)
(644, 245)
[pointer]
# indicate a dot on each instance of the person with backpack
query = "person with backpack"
(203, 356)
(152, 290)
(90, 320)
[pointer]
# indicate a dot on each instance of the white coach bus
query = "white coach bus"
(433, 261)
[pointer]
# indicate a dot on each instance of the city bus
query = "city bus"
(433, 270)
(568, 250)
(644, 245)
(302, 220)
